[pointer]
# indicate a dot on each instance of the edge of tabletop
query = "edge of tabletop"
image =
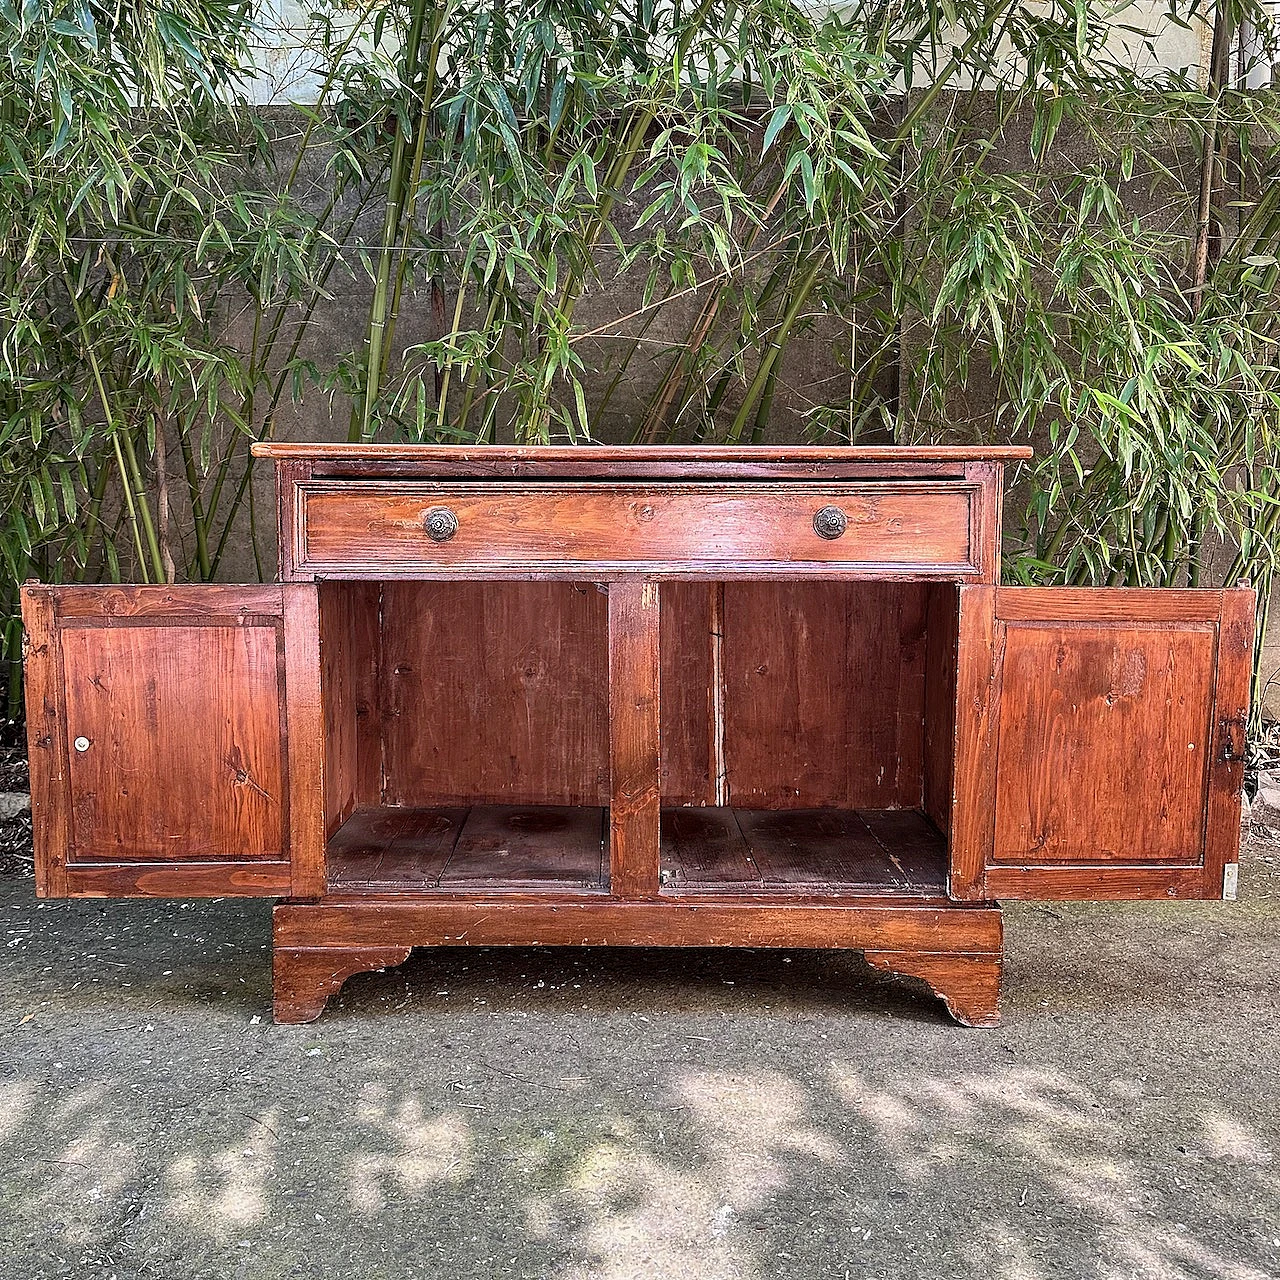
(591, 454)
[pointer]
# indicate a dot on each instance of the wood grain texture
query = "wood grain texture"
(1125, 605)
(511, 847)
(845, 851)
(183, 732)
(969, 985)
(634, 727)
(1096, 882)
(802, 852)
(495, 693)
(112, 605)
(1088, 745)
(942, 622)
(376, 530)
(824, 694)
(985, 516)
(350, 668)
(578, 460)
(705, 848)
(1230, 719)
(973, 807)
(305, 977)
(1080, 706)
(382, 850)
(46, 743)
(896, 924)
(523, 666)
(290, 474)
(304, 700)
(180, 784)
(689, 675)
(185, 878)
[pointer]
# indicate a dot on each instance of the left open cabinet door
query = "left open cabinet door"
(175, 736)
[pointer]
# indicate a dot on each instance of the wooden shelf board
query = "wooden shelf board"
(543, 848)
(814, 851)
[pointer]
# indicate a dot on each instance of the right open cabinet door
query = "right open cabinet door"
(1100, 741)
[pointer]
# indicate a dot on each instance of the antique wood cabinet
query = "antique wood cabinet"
(658, 697)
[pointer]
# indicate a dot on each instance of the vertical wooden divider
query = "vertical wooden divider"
(634, 739)
(306, 740)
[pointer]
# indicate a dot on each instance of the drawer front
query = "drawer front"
(425, 529)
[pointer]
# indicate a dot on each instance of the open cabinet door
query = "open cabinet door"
(1100, 742)
(160, 761)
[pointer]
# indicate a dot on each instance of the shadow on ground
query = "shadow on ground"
(618, 1114)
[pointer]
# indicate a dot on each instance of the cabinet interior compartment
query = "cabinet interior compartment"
(467, 736)
(806, 736)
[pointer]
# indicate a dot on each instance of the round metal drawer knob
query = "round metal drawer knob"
(830, 522)
(81, 744)
(440, 523)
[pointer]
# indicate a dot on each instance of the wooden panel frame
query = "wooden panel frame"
(985, 613)
(291, 611)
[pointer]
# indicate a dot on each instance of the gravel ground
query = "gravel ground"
(703, 1114)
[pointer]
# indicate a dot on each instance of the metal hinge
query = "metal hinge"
(1230, 881)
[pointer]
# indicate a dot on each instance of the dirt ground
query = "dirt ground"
(709, 1115)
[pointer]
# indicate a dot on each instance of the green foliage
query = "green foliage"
(131, 233)
(630, 214)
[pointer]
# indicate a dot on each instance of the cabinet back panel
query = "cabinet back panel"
(497, 692)
(824, 694)
(494, 692)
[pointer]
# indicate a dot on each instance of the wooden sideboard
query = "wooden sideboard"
(645, 697)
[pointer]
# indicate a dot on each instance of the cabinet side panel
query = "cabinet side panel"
(824, 694)
(46, 745)
(349, 641)
(943, 613)
(495, 693)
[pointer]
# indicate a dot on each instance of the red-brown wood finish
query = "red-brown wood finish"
(824, 689)
(635, 783)
(372, 529)
(670, 461)
(637, 699)
(494, 693)
(159, 751)
(955, 949)
(1095, 730)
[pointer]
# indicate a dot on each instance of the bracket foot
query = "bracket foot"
(303, 978)
(969, 985)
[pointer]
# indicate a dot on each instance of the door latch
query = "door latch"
(1234, 739)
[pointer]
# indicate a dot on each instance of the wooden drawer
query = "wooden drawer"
(375, 529)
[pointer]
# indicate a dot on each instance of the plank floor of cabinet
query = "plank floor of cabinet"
(488, 848)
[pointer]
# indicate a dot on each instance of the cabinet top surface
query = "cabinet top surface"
(590, 458)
